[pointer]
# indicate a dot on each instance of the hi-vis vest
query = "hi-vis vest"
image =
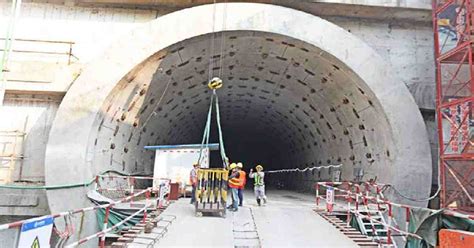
(235, 182)
(258, 180)
(242, 178)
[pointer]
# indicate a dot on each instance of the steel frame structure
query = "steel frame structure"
(453, 22)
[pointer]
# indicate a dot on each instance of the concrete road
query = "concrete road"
(286, 221)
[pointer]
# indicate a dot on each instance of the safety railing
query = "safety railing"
(105, 229)
(44, 47)
(362, 195)
(119, 186)
(344, 194)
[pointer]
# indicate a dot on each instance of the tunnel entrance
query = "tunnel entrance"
(298, 92)
(285, 104)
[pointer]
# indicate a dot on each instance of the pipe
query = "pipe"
(15, 13)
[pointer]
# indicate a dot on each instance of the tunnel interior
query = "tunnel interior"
(284, 104)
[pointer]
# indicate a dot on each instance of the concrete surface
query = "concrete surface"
(328, 85)
(405, 43)
(286, 221)
(421, 4)
(417, 10)
(188, 230)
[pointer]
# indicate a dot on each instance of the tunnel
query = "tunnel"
(298, 92)
(284, 104)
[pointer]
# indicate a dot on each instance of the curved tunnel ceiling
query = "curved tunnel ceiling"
(288, 99)
(298, 91)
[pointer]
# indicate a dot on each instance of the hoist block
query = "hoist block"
(215, 83)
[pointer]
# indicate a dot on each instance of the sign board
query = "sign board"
(329, 199)
(176, 163)
(164, 189)
(36, 233)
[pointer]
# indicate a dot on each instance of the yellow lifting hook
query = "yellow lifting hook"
(215, 83)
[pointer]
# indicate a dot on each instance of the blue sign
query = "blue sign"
(33, 224)
(36, 233)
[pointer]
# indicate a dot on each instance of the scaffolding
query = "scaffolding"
(454, 40)
(11, 143)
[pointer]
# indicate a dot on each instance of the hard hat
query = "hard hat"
(259, 167)
(233, 165)
(215, 83)
(240, 165)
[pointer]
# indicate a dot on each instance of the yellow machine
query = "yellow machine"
(211, 191)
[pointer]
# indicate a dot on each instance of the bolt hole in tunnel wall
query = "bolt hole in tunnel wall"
(285, 104)
(298, 92)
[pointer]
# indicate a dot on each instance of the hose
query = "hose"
(64, 186)
(48, 187)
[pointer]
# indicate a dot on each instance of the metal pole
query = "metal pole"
(147, 196)
(407, 218)
(131, 181)
(104, 227)
(389, 231)
(96, 185)
(377, 188)
(317, 194)
(349, 199)
(15, 13)
(357, 197)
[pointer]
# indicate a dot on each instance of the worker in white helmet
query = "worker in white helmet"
(234, 184)
(259, 184)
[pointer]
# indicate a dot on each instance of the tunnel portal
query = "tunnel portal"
(298, 92)
(284, 104)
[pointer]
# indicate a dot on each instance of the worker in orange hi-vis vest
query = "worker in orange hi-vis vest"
(243, 181)
(234, 184)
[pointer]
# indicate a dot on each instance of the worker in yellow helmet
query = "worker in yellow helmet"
(259, 184)
(234, 184)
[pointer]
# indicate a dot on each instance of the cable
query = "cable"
(412, 199)
(211, 52)
(63, 186)
(207, 129)
(157, 105)
(224, 27)
(221, 137)
(49, 187)
(305, 169)
(418, 200)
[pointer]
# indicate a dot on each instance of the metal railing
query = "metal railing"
(68, 49)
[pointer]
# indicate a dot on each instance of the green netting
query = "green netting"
(354, 222)
(114, 218)
(427, 225)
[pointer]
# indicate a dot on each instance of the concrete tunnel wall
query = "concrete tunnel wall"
(285, 104)
(304, 89)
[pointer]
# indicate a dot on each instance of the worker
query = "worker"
(193, 178)
(243, 181)
(259, 184)
(234, 184)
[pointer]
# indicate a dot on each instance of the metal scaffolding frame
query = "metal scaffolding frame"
(453, 22)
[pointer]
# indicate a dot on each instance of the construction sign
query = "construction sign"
(36, 233)
(329, 199)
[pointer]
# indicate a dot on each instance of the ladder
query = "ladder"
(372, 227)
